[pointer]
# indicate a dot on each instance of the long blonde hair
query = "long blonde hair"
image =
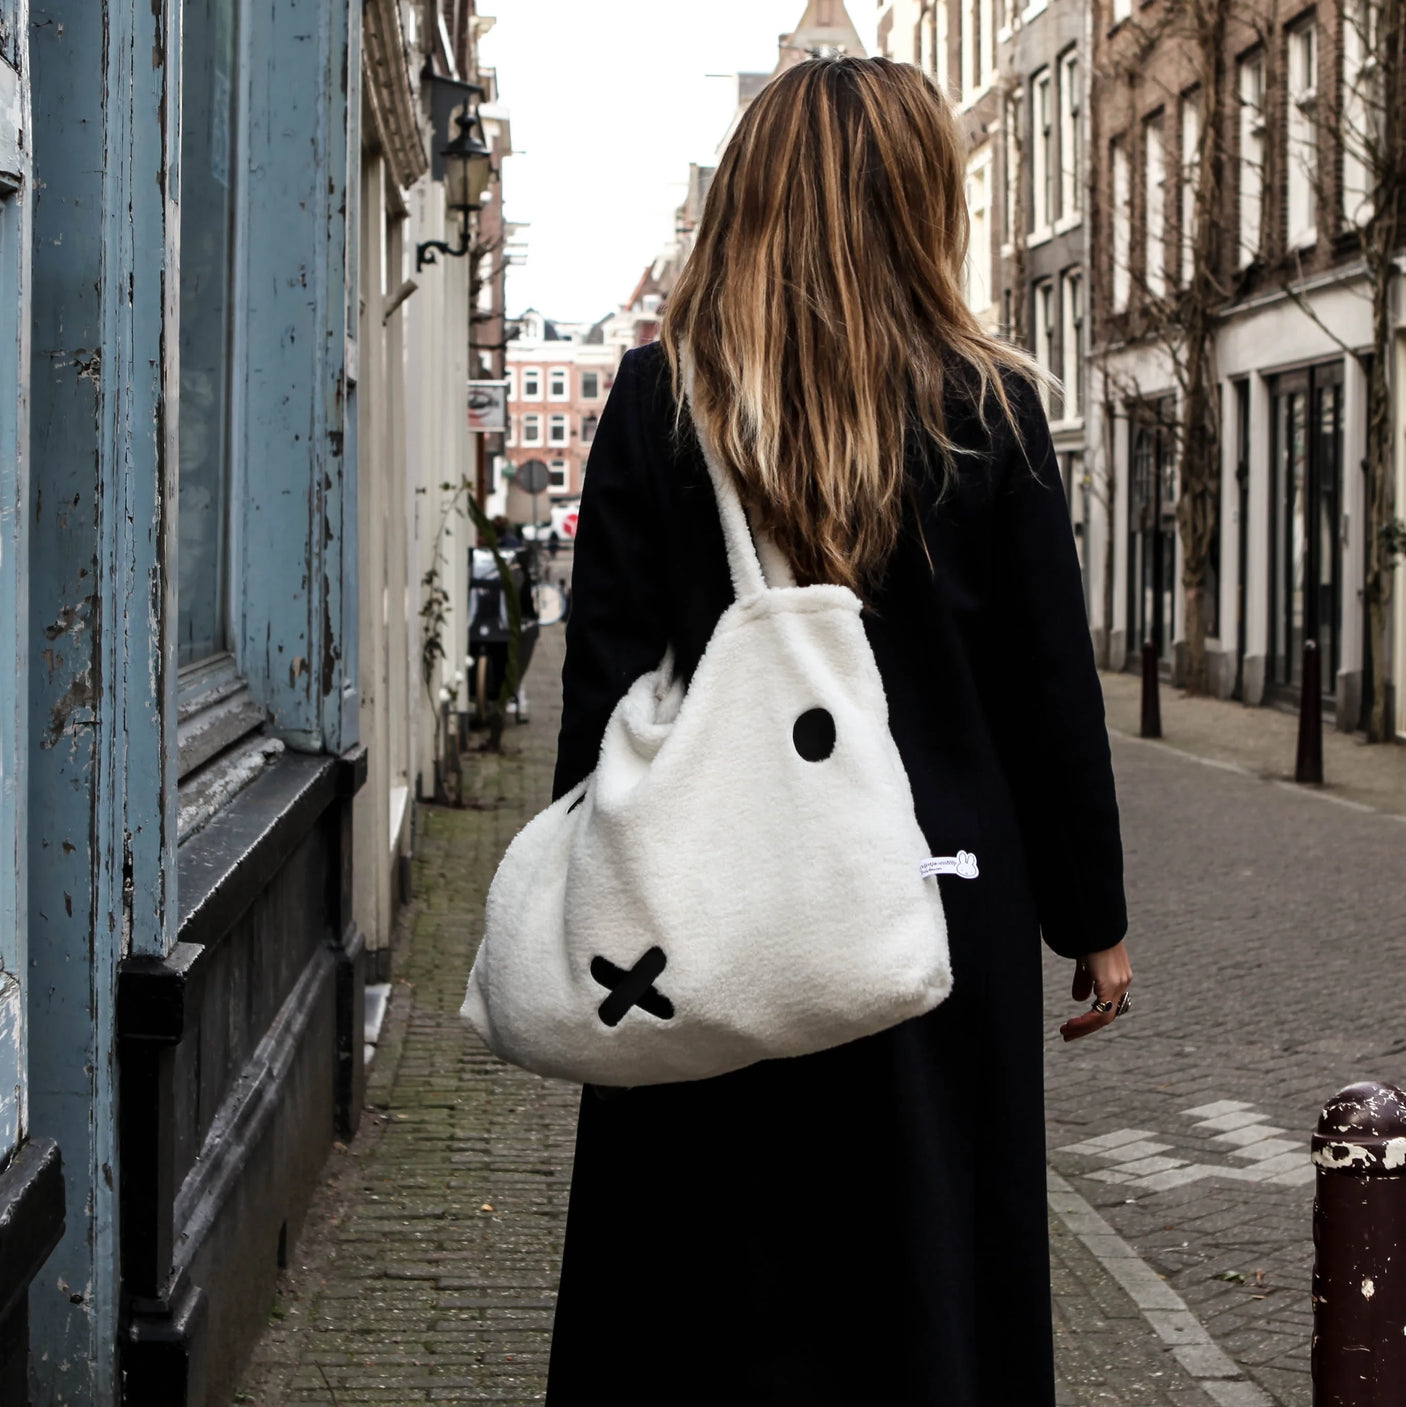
(822, 313)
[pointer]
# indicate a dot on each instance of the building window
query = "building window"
(1361, 134)
(590, 385)
(1190, 178)
(1044, 333)
(557, 432)
(532, 383)
(1302, 141)
(1071, 153)
(979, 249)
(207, 208)
(1042, 137)
(512, 431)
(511, 377)
(1071, 299)
(558, 388)
(1122, 10)
(532, 429)
(588, 428)
(1251, 159)
(1010, 147)
(1155, 208)
(1122, 242)
(925, 42)
(556, 470)
(978, 47)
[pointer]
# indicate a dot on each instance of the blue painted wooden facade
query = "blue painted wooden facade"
(179, 998)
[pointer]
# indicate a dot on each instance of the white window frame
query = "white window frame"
(926, 46)
(532, 428)
(979, 271)
(1154, 150)
(978, 48)
(1121, 245)
(1042, 155)
(512, 432)
(1071, 139)
(1301, 136)
(1073, 320)
(944, 44)
(532, 383)
(559, 376)
(1043, 294)
(559, 429)
(510, 376)
(560, 467)
(1361, 99)
(1190, 177)
(1250, 85)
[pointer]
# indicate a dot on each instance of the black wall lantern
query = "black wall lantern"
(465, 163)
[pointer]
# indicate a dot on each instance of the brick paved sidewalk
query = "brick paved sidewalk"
(1263, 742)
(427, 1267)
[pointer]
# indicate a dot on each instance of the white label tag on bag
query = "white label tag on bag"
(962, 864)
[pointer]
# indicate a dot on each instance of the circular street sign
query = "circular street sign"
(533, 477)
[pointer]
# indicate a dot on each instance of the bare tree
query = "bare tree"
(1176, 310)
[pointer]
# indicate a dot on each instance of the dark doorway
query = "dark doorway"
(1305, 589)
(1152, 530)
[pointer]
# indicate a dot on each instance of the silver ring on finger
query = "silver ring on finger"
(1125, 1005)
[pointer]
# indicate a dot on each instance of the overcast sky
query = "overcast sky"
(610, 101)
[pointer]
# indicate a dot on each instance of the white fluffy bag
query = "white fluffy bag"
(741, 878)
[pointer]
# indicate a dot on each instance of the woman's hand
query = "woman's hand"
(1105, 976)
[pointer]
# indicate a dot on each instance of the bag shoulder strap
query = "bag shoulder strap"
(756, 563)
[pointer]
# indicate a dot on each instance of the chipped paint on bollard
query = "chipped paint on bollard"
(1359, 1233)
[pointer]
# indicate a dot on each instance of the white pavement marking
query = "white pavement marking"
(1134, 1162)
(1164, 1309)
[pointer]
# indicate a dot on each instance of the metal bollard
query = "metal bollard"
(1151, 692)
(1359, 1237)
(1309, 765)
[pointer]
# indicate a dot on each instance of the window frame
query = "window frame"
(532, 383)
(559, 422)
(1154, 210)
(1250, 92)
(1303, 53)
(562, 468)
(1121, 216)
(532, 429)
(590, 395)
(1190, 138)
(1072, 325)
(1071, 145)
(1042, 153)
(559, 376)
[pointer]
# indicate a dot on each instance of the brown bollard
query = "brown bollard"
(1359, 1238)
(1309, 765)
(1151, 692)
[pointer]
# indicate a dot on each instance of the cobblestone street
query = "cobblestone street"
(1269, 957)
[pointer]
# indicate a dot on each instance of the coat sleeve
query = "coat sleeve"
(617, 629)
(1050, 718)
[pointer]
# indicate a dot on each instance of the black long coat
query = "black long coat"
(867, 1225)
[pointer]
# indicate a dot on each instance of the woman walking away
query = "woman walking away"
(866, 1225)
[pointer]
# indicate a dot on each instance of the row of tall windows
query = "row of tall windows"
(558, 429)
(557, 381)
(1056, 156)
